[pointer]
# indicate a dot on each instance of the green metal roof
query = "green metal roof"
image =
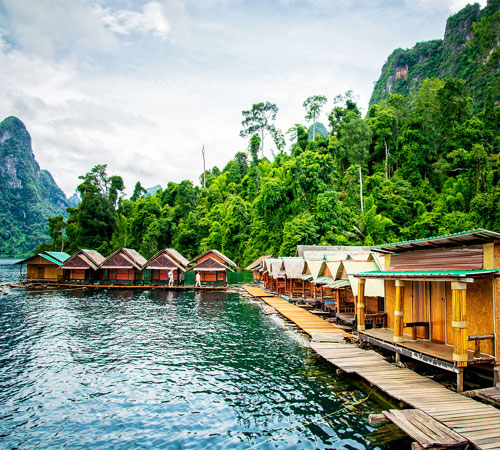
(424, 273)
(60, 256)
(305, 276)
(337, 284)
(43, 255)
(470, 237)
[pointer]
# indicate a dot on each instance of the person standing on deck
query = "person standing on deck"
(181, 279)
(197, 280)
(171, 278)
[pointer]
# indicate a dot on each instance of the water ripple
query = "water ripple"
(165, 371)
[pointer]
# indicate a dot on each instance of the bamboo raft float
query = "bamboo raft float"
(436, 418)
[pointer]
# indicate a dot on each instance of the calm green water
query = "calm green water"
(166, 370)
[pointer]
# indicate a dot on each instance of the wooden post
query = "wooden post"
(460, 380)
(459, 325)
(303, 288)
(361, 304)
(398, 311)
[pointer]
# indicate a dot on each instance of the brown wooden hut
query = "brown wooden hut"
(256, 267)
(278, 276)
(429, 284)
(166, 260)
(267, 273)
(45, 266)
(124, 266)
(293, 269)
(213, 267)
(82, 267)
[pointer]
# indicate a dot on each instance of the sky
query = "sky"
(142, 85)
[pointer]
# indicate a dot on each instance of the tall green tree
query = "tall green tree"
(313, 107)
(356, 138)
(259, 119)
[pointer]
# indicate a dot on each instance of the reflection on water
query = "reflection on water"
(166, 370)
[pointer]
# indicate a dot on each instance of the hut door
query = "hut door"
(438, 308)
(419, 306)
(40, 272)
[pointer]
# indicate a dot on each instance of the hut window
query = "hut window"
(381, 304)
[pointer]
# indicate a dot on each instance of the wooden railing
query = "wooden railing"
(379, 318)
(477, 341)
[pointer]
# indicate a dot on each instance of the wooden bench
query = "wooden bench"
(414, 325)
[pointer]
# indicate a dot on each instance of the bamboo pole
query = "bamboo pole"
(361, 304)
(398, 311)
(459, 323)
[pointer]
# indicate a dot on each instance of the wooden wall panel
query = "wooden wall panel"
(479, 311)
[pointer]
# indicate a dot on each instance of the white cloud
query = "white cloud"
(187, 71)
(152, 19)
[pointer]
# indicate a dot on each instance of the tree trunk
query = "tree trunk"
(314, 130)
(386, 160)
(361, 188)
(262, 141)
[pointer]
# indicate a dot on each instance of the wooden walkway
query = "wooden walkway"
(124, 286)
(475, 421)
(316, 327)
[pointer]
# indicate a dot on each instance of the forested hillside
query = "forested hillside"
(470, 50)
(28, 195)
(420, 164)
(428, 165)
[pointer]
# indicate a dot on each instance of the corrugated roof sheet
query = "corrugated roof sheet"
(424, 273)
(59, 256)
(327, 248)
(323, 280)
(337, 284)
(476, 236)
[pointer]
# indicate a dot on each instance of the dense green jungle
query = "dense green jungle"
(423, 161)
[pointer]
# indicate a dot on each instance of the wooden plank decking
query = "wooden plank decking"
(316, 327)
(476, 422)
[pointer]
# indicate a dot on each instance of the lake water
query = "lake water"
(164, 370)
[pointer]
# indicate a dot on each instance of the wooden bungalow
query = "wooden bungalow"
(278, 276)
(124, 266)
(82, 267)
(166, 260)
(256, 267)
(45, 266)
(429, 285)
(267, 273)
(293, 269)
(213, 267)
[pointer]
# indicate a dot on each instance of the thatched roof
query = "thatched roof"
(219, 254)
(315, 267)
(129, 255)
(177, 256)
(276, 269)
(92, 258)
(257, 264)
(293, 267)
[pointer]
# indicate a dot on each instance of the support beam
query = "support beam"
(361, 304)
(398, 311)
(459, 324)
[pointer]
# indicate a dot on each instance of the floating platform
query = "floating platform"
(127, 286)
(476, 422)
(316, 327)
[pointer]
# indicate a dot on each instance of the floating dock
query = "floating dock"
(127, 286)
(440, 418)
(316, 327)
